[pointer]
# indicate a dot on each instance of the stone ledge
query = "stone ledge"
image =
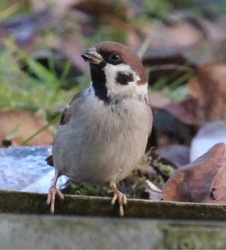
(33, 203)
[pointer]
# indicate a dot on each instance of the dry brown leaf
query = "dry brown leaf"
(209, 89)
(133, 40)
(72, 50)
(184, 111)
(219, 187)
(178, 35)
(172, 67)
(58, 6)
(17, 126)
(200, 181)
(158, 100)
(195, 40)
(107, 8)
(168, 129)
(31, 24)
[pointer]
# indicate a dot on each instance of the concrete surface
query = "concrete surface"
(64, 232)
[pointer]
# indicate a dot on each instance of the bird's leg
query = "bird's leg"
(122, 200)
(53, 191)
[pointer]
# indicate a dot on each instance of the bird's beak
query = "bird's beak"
(92, 56)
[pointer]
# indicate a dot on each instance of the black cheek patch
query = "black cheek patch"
(123, 78)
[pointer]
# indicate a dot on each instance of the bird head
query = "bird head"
(116, 72)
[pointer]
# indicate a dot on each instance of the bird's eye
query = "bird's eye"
(115, 57)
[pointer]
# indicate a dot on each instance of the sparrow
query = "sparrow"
(104, 130)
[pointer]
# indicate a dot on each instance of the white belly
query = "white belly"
(102, 144)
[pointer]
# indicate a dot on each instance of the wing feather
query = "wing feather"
(65, 117)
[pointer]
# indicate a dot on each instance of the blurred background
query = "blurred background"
(182, 45)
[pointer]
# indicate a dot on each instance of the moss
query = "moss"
(32, 203)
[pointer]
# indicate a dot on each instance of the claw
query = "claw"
(122, 200)
(53, 191)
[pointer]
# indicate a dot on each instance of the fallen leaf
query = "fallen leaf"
(72, 49)
(169, 66)
(191, 41)
(58, 6)
(195, 181)
(23, 28)
(105, 8)
(219, 186)
(18, 126)
(209, 89)
(185, 111)
(158, 100)
(168, 129)
(177, 35)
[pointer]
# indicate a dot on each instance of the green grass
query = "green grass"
(21, 90)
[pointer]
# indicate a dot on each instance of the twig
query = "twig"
(144, 46)
(153, 187)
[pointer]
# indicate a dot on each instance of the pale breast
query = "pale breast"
(103, 143)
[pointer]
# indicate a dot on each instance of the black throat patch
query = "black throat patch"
(99, 83)
(123, 78)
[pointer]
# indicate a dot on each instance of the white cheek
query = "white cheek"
(115, 88)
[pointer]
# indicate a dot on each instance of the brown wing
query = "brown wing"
(65, 117)
(63, 120)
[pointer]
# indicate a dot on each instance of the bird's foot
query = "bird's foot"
(53, 191)
(122, 200)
